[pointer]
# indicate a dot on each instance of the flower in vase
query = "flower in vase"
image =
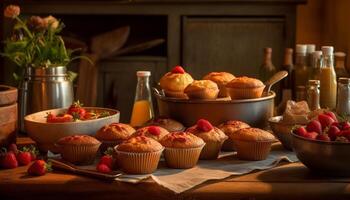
(37, 23)
(12, 11)
(51, 22)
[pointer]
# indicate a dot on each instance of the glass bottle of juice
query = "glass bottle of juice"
(316, 66)
(143, 109)
(328, 79)
(340, 69)
(267, 69)
(301, 71)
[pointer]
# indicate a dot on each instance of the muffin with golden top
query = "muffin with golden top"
(113, 134)
(212, 136)
(182, 149)
(167, 123)
(252, 143)
(202, 89)
(221, 79)
(174, 82)
(154, 132)
(245, 88)
(230, 127)
(138, 155)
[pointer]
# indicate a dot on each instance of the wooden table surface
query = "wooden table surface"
(287, 181)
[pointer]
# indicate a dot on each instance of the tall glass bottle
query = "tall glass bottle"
(143, 109)
(328, 79)
(310, 49)
(286, 83)
(267, 69)
(316, 65)
(340, 69)
(301, 72)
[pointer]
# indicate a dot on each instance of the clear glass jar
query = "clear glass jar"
(142, 109)
(343, 98)
(328, 79)
(313, 94)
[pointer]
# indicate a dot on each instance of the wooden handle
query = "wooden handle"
(274, 79)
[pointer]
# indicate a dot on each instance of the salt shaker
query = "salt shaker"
(343, 97)
(313, 94)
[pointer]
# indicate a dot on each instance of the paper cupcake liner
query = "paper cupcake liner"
(182, 158)
(138, 163)
(211, 150)
(256, 150)
(79, 154)
(245, 93)
(106, 144)
(203, 94)
(180, 95)
(228, 145)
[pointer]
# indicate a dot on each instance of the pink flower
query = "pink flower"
(12, 11)
(37, 23)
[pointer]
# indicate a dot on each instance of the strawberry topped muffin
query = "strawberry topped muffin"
(230, 128)
(212, 136)
(174, 83)
(113, 134)
(139, 155)
(78, 149)
(182, 149)
(221, 79)
(167, 123)
(154, 132)
(202, 89)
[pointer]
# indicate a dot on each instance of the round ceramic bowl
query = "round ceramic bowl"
(325, 158)
(281, 130)
(46, 134)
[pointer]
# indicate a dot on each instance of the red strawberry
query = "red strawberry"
(38, 168)
(345, 133)
(345, 125)
(311, 135)
(13, 148)
(103, 168)
(178, 70)
(301, 131)
(332, 115)
(315, 126)
(24, 157)
(107, 160)
(154, 130)
(204, 125)
(333, 132)
(325, 120)
(9, 161)
(323, 137)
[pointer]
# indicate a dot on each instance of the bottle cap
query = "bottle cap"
(343, 80)
(314, 82)
(143, 73)
(300, 48)
(268, 50)
(327, 50)
(339, 54)
(310, 48)
(288, 50)
(317, 54)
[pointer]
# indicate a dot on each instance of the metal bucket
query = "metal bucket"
(43, 89)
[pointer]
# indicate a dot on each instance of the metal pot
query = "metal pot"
(43, 89)
(255, 112)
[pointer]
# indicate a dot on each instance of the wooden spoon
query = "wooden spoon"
(273, 80)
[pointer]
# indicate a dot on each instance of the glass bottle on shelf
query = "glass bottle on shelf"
(267, 69)
(301, 71)
(316, 65)
(328, 79)
(142, 110)
(343, 99)
(310, 49)
(313, 94)
(286, 83)
(340, 69)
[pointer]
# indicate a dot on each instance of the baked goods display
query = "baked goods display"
(113, 134)
(221, 79)
(138, 155)
(174, 82)
(229, 128)
(182, 149)
(212, 136)
(167, 123)
(202, 89)
(78, 149)
(154, 132)
(252, 143)
(245, 88)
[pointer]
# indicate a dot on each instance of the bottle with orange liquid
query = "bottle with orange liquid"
(143, 109)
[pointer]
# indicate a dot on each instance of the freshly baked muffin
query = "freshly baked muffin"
(167, 123)
(221, 79)
(202, 89)
(182, 149)
(138, 155)
(78, 149)
(229, 128)
(154, 132)
(113, 134)
(174, 83)
(245, 88)
(252, 143)
(212, 136)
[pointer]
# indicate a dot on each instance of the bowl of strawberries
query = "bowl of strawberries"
(323, 145)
